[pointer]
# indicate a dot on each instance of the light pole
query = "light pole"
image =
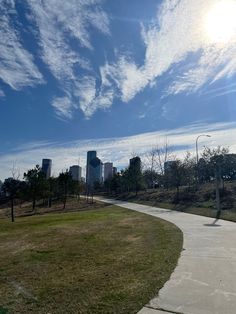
(206, 135)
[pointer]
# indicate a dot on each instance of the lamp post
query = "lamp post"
(201, 135)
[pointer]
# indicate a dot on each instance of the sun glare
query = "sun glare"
(221, 22)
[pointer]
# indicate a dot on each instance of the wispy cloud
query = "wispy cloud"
(118, 150)
(59, 22)
(17, 64)
(2, 94)
(220, 91)
(174, 41)
(178, 34)
(63, 107)
(91, 97)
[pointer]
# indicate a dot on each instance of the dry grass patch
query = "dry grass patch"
(107, 260)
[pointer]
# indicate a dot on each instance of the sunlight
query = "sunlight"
(221, 22)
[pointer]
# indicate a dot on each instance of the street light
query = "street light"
(206, 135)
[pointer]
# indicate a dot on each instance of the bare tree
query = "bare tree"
(15, 171)
(155, 159)
(163, 154)
(11, 187)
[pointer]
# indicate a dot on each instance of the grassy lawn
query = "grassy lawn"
(25, 209)
(106, 260)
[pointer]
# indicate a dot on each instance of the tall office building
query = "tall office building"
(47, 167)
(75, 172)
(135, 163)
(114, 171)
(94, 169)
(90, 156)
(108, 170)
(168, 166)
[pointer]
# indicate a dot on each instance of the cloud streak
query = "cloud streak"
(175, 44)
(59, 23)
(17, 69)
(176, 41)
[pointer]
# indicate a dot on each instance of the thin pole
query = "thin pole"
(217, 178)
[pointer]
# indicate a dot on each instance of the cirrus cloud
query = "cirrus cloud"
(176, 41)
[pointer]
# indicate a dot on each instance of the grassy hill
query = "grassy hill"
(200, 201)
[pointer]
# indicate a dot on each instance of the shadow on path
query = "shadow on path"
(214, 224)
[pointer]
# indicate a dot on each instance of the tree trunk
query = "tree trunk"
(177, 194)
(12, 210)
(50, 202)
(64, 202)
(34, 201)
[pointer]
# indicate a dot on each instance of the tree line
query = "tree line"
(159, 168)
(36, 187)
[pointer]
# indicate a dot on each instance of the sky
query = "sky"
(116, 76)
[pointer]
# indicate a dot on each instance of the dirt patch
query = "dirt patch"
(19, 289)
(132, 238)
(18, 246)
(128, 221)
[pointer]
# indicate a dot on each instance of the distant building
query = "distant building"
(1, 184)
(168, 165)
(94, 169)
(90, 155)
(75, 172)
(108, 170)
(47, 167)
(114, 170)
(135, 163)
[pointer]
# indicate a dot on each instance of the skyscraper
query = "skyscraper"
(90, 156)
(75, 172)
(168, 166)
(114, 171)
(47, 167)
(94, 169)
(108, 170)
(135, 164)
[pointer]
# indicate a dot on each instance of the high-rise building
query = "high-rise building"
(108, 170)
(47, 167)
(94, 169)
(135, 163)
(75, 172)
(1, 187)
(168, 166)
(90, 156)
(114, 170)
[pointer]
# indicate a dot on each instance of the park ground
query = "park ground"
(91, 258)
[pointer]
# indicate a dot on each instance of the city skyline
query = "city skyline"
(118, 150)
(117, 78)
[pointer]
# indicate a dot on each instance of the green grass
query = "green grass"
(107, 260)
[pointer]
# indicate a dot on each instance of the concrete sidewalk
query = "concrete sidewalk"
(204, 281)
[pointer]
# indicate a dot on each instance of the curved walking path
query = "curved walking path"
(204, 281)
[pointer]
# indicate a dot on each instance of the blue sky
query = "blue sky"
(115, 75)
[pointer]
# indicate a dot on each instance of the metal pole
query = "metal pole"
(197, 149)
(217, 178)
